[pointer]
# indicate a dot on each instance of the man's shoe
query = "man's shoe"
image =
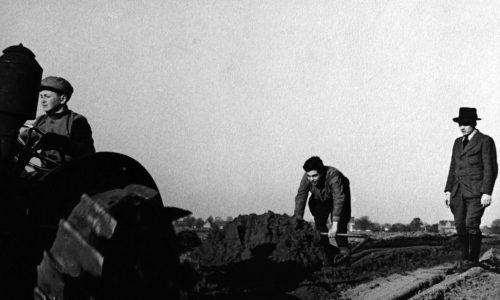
(471, 264)
(458, 265)
(464, 265)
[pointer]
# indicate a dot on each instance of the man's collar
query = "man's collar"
(472, 134)
(59, 115)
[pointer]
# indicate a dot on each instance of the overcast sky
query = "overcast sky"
(223, 101)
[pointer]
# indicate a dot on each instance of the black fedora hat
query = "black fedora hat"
(466, 114)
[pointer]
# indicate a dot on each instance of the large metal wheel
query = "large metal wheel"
(140, 256)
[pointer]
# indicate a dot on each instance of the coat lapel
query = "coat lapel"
(473, 142)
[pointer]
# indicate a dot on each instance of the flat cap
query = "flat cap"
(57, 84)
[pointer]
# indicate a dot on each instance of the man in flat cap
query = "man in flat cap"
(471, 178)
(64, 129)
(330, 197)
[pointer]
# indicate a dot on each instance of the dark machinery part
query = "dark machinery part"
(54, 195)
(119, 244)
(93, 259)
(128, 258)
(140, 256)
(20, 76)
(32, 146)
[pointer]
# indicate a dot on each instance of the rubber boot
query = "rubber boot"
(475, 247)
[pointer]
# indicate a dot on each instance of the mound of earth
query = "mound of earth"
(274, 237)
(279, 255)
(256, 256)
(273, 256)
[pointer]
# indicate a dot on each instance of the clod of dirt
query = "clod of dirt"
(491, 260)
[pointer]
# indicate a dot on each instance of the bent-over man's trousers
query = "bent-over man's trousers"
(321, 211)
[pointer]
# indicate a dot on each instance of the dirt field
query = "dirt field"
(273, 256)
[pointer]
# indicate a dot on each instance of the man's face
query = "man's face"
(313, 176)
(466, 129)
(51, 102)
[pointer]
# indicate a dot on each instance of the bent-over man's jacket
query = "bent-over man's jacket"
(473, 168)
(336, 190)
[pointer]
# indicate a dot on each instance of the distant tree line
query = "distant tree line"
(494, 228)
(199, 223)
(364, 223)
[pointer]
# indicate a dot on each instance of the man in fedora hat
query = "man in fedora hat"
(67, 133)
(471, 177)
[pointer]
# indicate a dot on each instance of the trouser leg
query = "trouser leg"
(463, 241)
(474, 214)
(320, 220)
(475, 246)
(321, 211)
(342, 240)
(459, 210)
(345, 216)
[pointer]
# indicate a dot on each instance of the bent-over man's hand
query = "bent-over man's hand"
(485, 200)
(333, 230)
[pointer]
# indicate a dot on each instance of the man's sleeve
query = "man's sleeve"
(23, 132)
(451, 172)
(338, 196)
(489, 155)
(81, 142)
(301, 198)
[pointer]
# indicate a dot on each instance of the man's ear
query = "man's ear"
(64, 99)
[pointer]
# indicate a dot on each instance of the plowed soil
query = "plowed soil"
(273, 256)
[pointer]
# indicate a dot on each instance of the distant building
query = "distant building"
(350, 225)
(447, 227)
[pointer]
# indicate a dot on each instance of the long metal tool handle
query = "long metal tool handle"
(353, 235)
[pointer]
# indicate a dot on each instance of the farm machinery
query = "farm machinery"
(94, 227)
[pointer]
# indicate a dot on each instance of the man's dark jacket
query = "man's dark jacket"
(473, 168)
(336, 191)
(71, 126)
